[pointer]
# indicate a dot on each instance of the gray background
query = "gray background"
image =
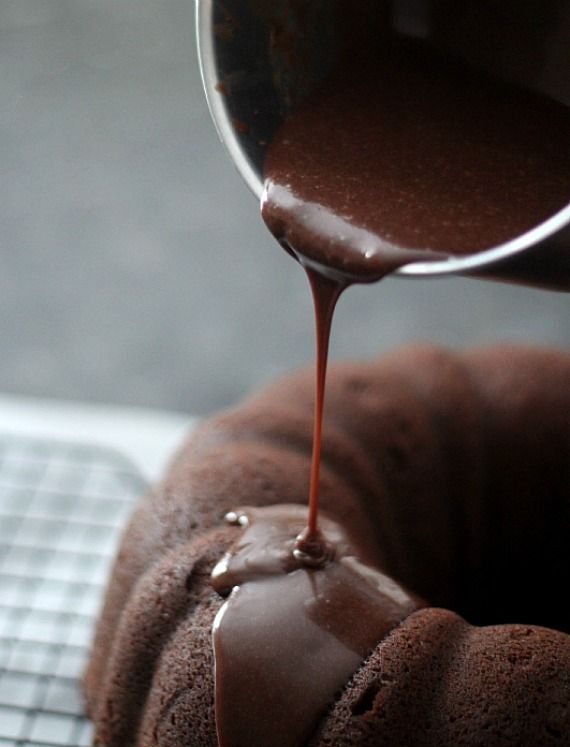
(134, 266)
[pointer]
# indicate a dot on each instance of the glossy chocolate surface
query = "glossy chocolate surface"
(290, 636)
(408, 155)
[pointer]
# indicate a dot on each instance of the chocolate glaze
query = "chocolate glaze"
(289, 637)
(404, 156)
(401, 157)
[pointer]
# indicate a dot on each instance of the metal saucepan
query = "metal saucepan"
(251, 89)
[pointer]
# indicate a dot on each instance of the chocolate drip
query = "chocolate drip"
(289, 637)
(325, 296)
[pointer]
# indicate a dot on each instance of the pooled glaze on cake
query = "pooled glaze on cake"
(291, 634)
(453, 473)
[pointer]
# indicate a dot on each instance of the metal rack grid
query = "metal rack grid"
(62, 508)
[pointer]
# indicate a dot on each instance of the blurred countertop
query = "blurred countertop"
(148, 438)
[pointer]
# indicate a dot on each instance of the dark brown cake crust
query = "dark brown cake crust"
(490, 686)
(455, 471)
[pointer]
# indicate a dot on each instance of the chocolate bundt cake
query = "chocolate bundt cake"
(452, 474)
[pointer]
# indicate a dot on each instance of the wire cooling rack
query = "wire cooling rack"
(62, 508)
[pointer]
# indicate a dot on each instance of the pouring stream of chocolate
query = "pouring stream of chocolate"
(400, 157)
(325, 295)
